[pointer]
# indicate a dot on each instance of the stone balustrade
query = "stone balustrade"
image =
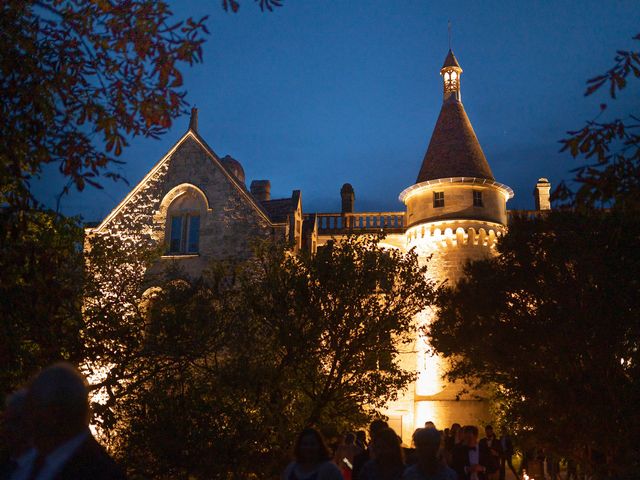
(386, 222)
(361, 222)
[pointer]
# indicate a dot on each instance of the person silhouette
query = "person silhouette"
(430, 466)
(388, 458)
(311, 459)
(57, 414)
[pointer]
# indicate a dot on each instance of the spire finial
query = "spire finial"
(449, 29)
(193, 121)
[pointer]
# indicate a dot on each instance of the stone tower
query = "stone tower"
(455, 212)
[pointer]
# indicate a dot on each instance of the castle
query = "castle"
(198, 206)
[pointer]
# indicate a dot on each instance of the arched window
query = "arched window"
(183, 223)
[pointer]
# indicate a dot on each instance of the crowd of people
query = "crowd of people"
(457, 453)
(46, 427)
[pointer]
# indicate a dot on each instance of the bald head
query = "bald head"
(57, 403)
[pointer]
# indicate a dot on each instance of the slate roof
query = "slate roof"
(454, 150)
(280, 208)
(451, 60)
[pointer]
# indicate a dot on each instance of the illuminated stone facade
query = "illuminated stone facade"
(230, 217)
(197, 207)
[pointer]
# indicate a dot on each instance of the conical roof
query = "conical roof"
(454, 150)
(451, 60)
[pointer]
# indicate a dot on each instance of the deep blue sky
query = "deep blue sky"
(323, 92)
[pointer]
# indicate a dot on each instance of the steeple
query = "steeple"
(454, 150)
(451, 72)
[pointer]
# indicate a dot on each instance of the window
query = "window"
(185, 233)
(186, 209)
(438, 199)
(477, 199)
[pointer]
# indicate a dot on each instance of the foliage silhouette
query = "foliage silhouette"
(611, 178)
(79, 78)
(212, 377)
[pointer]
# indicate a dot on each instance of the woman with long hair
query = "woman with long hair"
(387, 461)
(312, 460)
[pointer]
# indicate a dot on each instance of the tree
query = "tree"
(41, 274)
(212, 377)
(556, 322)
(78, 78)
(612, 178)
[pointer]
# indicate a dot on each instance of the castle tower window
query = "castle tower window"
(438, 199)
(477, 199)
(185, 234)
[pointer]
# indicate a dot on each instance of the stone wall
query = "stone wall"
(450, 244)
(229, 221)
(458, 203)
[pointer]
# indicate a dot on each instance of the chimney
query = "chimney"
(261, 189)
(193, 121)
(541, 194)
(348, 198)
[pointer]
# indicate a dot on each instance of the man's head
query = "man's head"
(427, 443)
(376, 426)
(470, 435)
(488, 431)
(57, 405)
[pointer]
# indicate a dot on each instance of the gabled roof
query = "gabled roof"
(190, 134)
(451, 60)
(454, 150)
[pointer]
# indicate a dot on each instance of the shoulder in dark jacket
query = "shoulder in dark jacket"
(90, 461)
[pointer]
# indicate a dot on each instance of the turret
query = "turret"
(455, 181)
(455, 213)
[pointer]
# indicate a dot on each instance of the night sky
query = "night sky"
(323, 92)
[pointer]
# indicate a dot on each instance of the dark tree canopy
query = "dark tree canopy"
(556, 322)
(252, 351)
(41, 275)
(78, 78)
